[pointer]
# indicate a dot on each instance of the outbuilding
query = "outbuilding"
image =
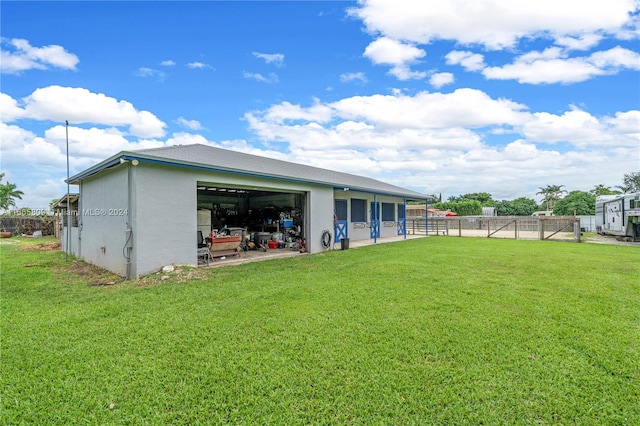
(140, 210)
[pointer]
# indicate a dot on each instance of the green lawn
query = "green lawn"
(439, 330)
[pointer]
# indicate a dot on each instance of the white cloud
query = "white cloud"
(496, 24)
(435, 142)
(579, 42)
(168, 63)
(270, 58)
(583, 129)
(387, 51)
(469, 60)
(189, 124)
(464, 107)
(626, 123)
(199, 65)
(353, 76)
(404, 73)
(14, 137)
(150, 72)
(9, 109)
(271, 78)
(78, 105)
(22, 57)
(615, 59)
(35, 159)
(441, 79)
(554, 66)
(392, 52)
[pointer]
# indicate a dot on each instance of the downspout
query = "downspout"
(426, 217)
(375, 218)
(80, 220)
(128, 245)
(404, 226)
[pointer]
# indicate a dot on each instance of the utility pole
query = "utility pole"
(68, 233)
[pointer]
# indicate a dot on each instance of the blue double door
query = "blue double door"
(341, 222)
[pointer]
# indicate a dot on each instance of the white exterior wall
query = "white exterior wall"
(319, 218)
(389, 228)
(165, 212)
(162, 213)
(73, 239)
(103, 219)
(164, 218)
(361, 230)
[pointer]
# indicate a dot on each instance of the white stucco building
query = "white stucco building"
(138, 210)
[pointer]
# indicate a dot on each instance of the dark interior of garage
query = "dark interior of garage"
(262, 218)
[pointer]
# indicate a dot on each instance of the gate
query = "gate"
(340, 225)
(374, 224)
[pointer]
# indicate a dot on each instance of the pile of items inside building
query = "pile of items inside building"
(258, 229)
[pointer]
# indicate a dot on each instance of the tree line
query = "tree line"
(554, 198)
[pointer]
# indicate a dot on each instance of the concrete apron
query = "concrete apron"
(259, 255)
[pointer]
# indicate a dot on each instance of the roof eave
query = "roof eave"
(130, 156)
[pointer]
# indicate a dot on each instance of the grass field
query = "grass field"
(431, 331)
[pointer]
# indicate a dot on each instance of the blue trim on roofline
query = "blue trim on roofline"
(110, 162)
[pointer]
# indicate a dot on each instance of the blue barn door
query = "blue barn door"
(402, 219)
(375, 219)
(341, 228)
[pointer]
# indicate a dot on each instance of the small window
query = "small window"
(341, 209)
(388, 212)
(358, 210)
(401, 211)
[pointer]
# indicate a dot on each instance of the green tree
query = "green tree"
(462, 208)
(631, 182)
(518, 207)
(551, 194)
(485, 199)
(576, 203)
(8, 194)
(602, 190)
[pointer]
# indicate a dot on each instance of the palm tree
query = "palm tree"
(600, 189)
(8, 194)
(631, 183)
(551, 194)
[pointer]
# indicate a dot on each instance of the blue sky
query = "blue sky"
(449, 97)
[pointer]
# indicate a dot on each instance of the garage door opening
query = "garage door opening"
(262, 218)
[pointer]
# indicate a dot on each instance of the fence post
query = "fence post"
(459, 227)
(540, 228)
(515, 226)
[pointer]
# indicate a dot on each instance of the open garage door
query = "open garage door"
(255, 214)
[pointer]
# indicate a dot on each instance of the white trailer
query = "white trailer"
(619, 215)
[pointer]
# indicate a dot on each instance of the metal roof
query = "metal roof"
(62, 202)
(219, 159)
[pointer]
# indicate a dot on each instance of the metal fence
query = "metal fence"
(514, 227)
